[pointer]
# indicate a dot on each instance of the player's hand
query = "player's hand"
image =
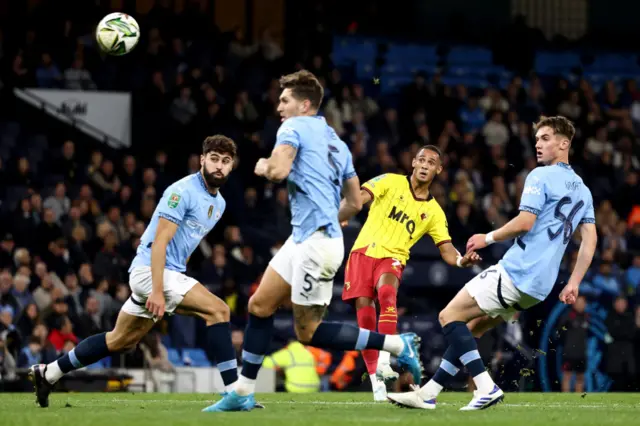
(476, 242)
(155, 304)
(261, 167)
(344, 223)
(569, 294)
(470, 258)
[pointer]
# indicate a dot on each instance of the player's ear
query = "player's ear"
(306, 106)
(201, 160)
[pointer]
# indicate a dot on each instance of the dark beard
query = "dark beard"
(211, 180)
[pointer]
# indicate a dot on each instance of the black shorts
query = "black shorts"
(577, 365)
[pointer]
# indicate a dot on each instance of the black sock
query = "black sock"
(219, 342)
(257, 338)
(345, 337)
(449, 367)
(464, 346)
(90, 350)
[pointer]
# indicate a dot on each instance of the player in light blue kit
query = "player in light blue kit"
(188, 210)
(318, 167)
(554, 203)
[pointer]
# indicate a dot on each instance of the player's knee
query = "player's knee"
(216, 313)
(444, 317)
(259, 308)
(121, 342)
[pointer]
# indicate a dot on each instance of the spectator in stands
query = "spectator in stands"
(495, 132)
(7, 245)
(21, 291)
(30, 354)
(59, 203)
(575, 325)
(28, 320)
(77, 77)
(7, 362)
(7, 298)
(620, 353)
(62, 333)
(48, 75)
(156, 358)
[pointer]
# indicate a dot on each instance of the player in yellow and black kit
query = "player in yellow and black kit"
(402, 211)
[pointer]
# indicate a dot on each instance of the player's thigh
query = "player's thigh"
(358, 277)
(272, 293)
(462, 307)
(128, 331)
(481, 325)
(306, 320)
(201, 303)
(388, 271)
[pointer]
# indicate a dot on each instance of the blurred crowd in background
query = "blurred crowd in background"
(73, 210)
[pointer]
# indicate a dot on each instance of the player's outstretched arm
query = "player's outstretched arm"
(588, 245)
(277, 167)
(164, 233)
(354, 199)
(453, 257)
(515, 227)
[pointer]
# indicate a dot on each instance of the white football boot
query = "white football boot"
(412, 399)
(480, 401)
(385, 374)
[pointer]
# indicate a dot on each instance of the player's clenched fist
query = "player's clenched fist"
(261, 167)
(155, 304)
(569, 294)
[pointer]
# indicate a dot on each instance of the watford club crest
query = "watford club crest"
(423, 216)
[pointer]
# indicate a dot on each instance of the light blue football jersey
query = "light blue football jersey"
(323, 162)
(194, 209)
(560, 199)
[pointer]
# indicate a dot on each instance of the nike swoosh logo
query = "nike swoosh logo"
(411, 353)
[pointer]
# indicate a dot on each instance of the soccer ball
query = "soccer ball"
(117, 34)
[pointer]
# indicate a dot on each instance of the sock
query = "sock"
(449, 367)
(388, 321)
(465, 348)
(219, 342)
(257, 338)
(367, 320)
(374, 381)
(384, 358)
(90, 350)
(345, 337)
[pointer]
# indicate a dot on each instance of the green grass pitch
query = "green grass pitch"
(114, 409)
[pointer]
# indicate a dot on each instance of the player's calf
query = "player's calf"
(216, 314)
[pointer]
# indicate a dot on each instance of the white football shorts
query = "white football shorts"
(176, 285)
(309, 267)
(496, 295)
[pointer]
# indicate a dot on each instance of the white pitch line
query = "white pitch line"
(338, 403)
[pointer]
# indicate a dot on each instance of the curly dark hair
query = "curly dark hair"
(220, 144)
